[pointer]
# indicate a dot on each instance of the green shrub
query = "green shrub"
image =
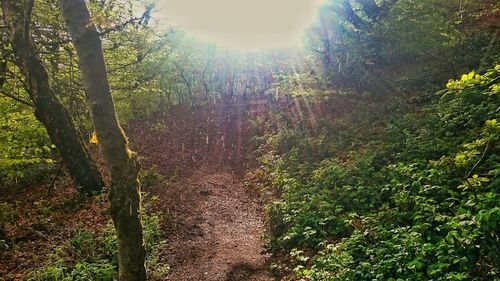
(25, 148)
(417, 202)
(82, 244)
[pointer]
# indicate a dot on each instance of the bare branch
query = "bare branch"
(16, 98)
(121, 26)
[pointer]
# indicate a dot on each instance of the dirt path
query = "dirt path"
(216, 226)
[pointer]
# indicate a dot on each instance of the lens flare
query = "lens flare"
(241, 24)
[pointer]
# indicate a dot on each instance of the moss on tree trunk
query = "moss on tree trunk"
(122, 163)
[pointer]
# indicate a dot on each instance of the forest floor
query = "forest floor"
(212, 217)
(215, 228)
(214, 221)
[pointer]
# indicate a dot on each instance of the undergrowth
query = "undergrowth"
(94, 256)
(25, 149)
(415, 197)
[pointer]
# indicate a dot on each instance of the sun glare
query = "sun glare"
(241, 24)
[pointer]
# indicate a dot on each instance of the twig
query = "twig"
(52, 185)
(39, 233)
(472, 170)
(478, 161)
(27, 103)
(120, 26)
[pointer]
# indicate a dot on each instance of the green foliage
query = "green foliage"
(94, 256)
(476, 82)
(25, 148)
(417, 42)
(417, 201)
(150, 177)
(58, 270)
(82, 244)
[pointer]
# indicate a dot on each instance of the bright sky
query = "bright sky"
(242, 24)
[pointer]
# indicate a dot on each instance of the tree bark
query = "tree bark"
(122, 163)
(48, 109)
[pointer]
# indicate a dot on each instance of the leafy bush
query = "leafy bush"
(418, 201)
(25, 148)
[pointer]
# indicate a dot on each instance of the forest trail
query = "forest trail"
(213, 222)
(216, 225)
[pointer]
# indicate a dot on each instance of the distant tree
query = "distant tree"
(367, 44)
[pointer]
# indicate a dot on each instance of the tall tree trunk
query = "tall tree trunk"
(122, 163)
(48, 109)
